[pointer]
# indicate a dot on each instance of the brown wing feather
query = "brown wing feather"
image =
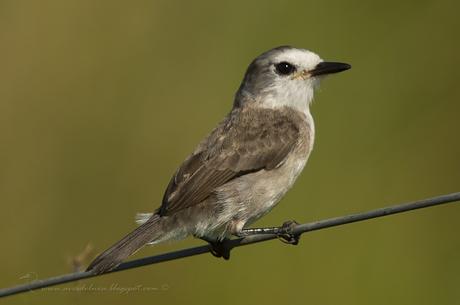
(248, 140)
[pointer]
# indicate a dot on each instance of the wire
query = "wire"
(230, 244)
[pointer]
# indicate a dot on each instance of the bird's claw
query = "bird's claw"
(220, 249)
(286, 234)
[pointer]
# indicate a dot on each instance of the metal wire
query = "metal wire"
(299, 229)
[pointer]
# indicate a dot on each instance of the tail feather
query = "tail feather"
(142, 235)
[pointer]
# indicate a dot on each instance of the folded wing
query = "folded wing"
(245, 142)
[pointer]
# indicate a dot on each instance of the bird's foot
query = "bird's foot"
(286, 234)
(220, 249)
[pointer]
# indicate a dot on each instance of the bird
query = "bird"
(243, 168)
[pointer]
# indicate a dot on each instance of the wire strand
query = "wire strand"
(299, 229)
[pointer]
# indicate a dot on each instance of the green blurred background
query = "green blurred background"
(101, 100)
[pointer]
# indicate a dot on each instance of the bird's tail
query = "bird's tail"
(150, 231)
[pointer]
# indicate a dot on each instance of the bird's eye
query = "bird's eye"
(284, 68)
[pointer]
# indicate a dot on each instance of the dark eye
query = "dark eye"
(284, 68)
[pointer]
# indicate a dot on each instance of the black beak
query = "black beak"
(329, 68)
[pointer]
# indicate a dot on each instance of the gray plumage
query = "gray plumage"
(243, 168)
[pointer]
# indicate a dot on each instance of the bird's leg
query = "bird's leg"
(284, 233)
(219, 248)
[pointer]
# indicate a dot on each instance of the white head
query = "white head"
(284, 76)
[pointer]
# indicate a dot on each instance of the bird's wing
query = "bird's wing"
(248, 140)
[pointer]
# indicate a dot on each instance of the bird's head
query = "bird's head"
(284, 76)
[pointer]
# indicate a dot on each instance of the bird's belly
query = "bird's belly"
(270, 188)
(245, 199)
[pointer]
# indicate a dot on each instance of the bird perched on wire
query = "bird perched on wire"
(241, 170)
